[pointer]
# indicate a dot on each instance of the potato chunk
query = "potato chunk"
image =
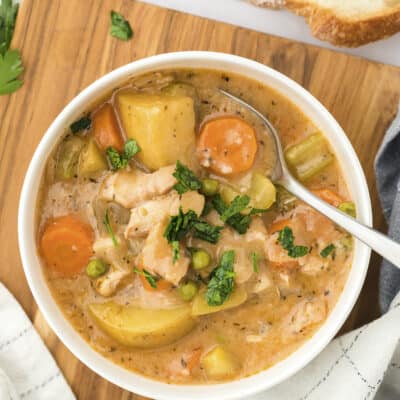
(92, 161)
(163, 125)
(140, 327)
(220, 363)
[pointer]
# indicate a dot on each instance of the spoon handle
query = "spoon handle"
(383, 245)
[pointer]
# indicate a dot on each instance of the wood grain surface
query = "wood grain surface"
(66, 45)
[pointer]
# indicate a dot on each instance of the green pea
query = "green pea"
(348, 207)
(200, 259)
(187, 290)
(209, 187)
(95, 268)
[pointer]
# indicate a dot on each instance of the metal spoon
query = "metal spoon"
(281, 175)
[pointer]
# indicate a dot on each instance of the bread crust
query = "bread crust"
(325, 25)
(328, 26)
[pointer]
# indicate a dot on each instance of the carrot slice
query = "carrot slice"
(162, 284)
(329, 196)
(66, 245)
(277, 226)
(106, 131)
(227, 145)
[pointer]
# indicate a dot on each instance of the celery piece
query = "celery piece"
(68, 157)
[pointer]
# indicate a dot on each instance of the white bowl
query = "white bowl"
(134, 382)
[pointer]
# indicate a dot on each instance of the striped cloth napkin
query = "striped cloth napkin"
(27, 369)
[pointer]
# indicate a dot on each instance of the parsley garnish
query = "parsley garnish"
(327, 250)
(186, 178)
(107, 224)
(182, 224)
(120, 27)
(221, 283)
(239, 222)
(81, 124)
(255, 259)
(118, 160)
(286, 239)
(209, 233)
(149, 277)
(10, 60)
(238, 204)
(175, 251)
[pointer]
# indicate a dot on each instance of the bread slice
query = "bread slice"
(349, 23)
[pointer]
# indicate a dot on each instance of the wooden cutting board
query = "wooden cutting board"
(66, 45)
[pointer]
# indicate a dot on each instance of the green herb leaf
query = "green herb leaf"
(81, 124)
(8, 15)
(238, 204)
(255, 259)
(327, 250)
(286, 239)
(149, 277)
(239, 222)
(186, 178)
(118, 160)
(10, 68)
(107, 224)
(131, 148)
(180, 225)
(221, 283)
(120, 27)
(175, 251)
(207, 232)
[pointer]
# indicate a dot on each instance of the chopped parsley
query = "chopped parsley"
(148, 276)
(238, 204)
(81, 124)
(175, 251)
(107, 224)
(120, 27)
(207, 232)
(256, 261)
(221, 283)
(119, 161)
(182, 224)
(327, 250)
(10, 60)
(186, 178)
(239, 222)
(286, 239)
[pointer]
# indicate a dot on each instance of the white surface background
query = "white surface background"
(281, 23)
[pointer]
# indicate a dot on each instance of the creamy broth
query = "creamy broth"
(287, 298)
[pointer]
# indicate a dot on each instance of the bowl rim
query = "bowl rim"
(131, 380)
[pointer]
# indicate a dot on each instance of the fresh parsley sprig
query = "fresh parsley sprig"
(118, 160)
(327, 250)
(286, 239)
(148, 276)
(221, 284)
(81, 124)
(10, 60)
(107, 224)
(120, 27)
(187, 180)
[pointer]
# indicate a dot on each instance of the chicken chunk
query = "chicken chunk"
(255, 237)
(310, 229)
(104, 249)
(130, 188)
(304, 315)
(147, 215)
(156, 256)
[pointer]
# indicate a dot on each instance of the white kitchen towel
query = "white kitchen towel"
(27, 369)
(363, 364)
